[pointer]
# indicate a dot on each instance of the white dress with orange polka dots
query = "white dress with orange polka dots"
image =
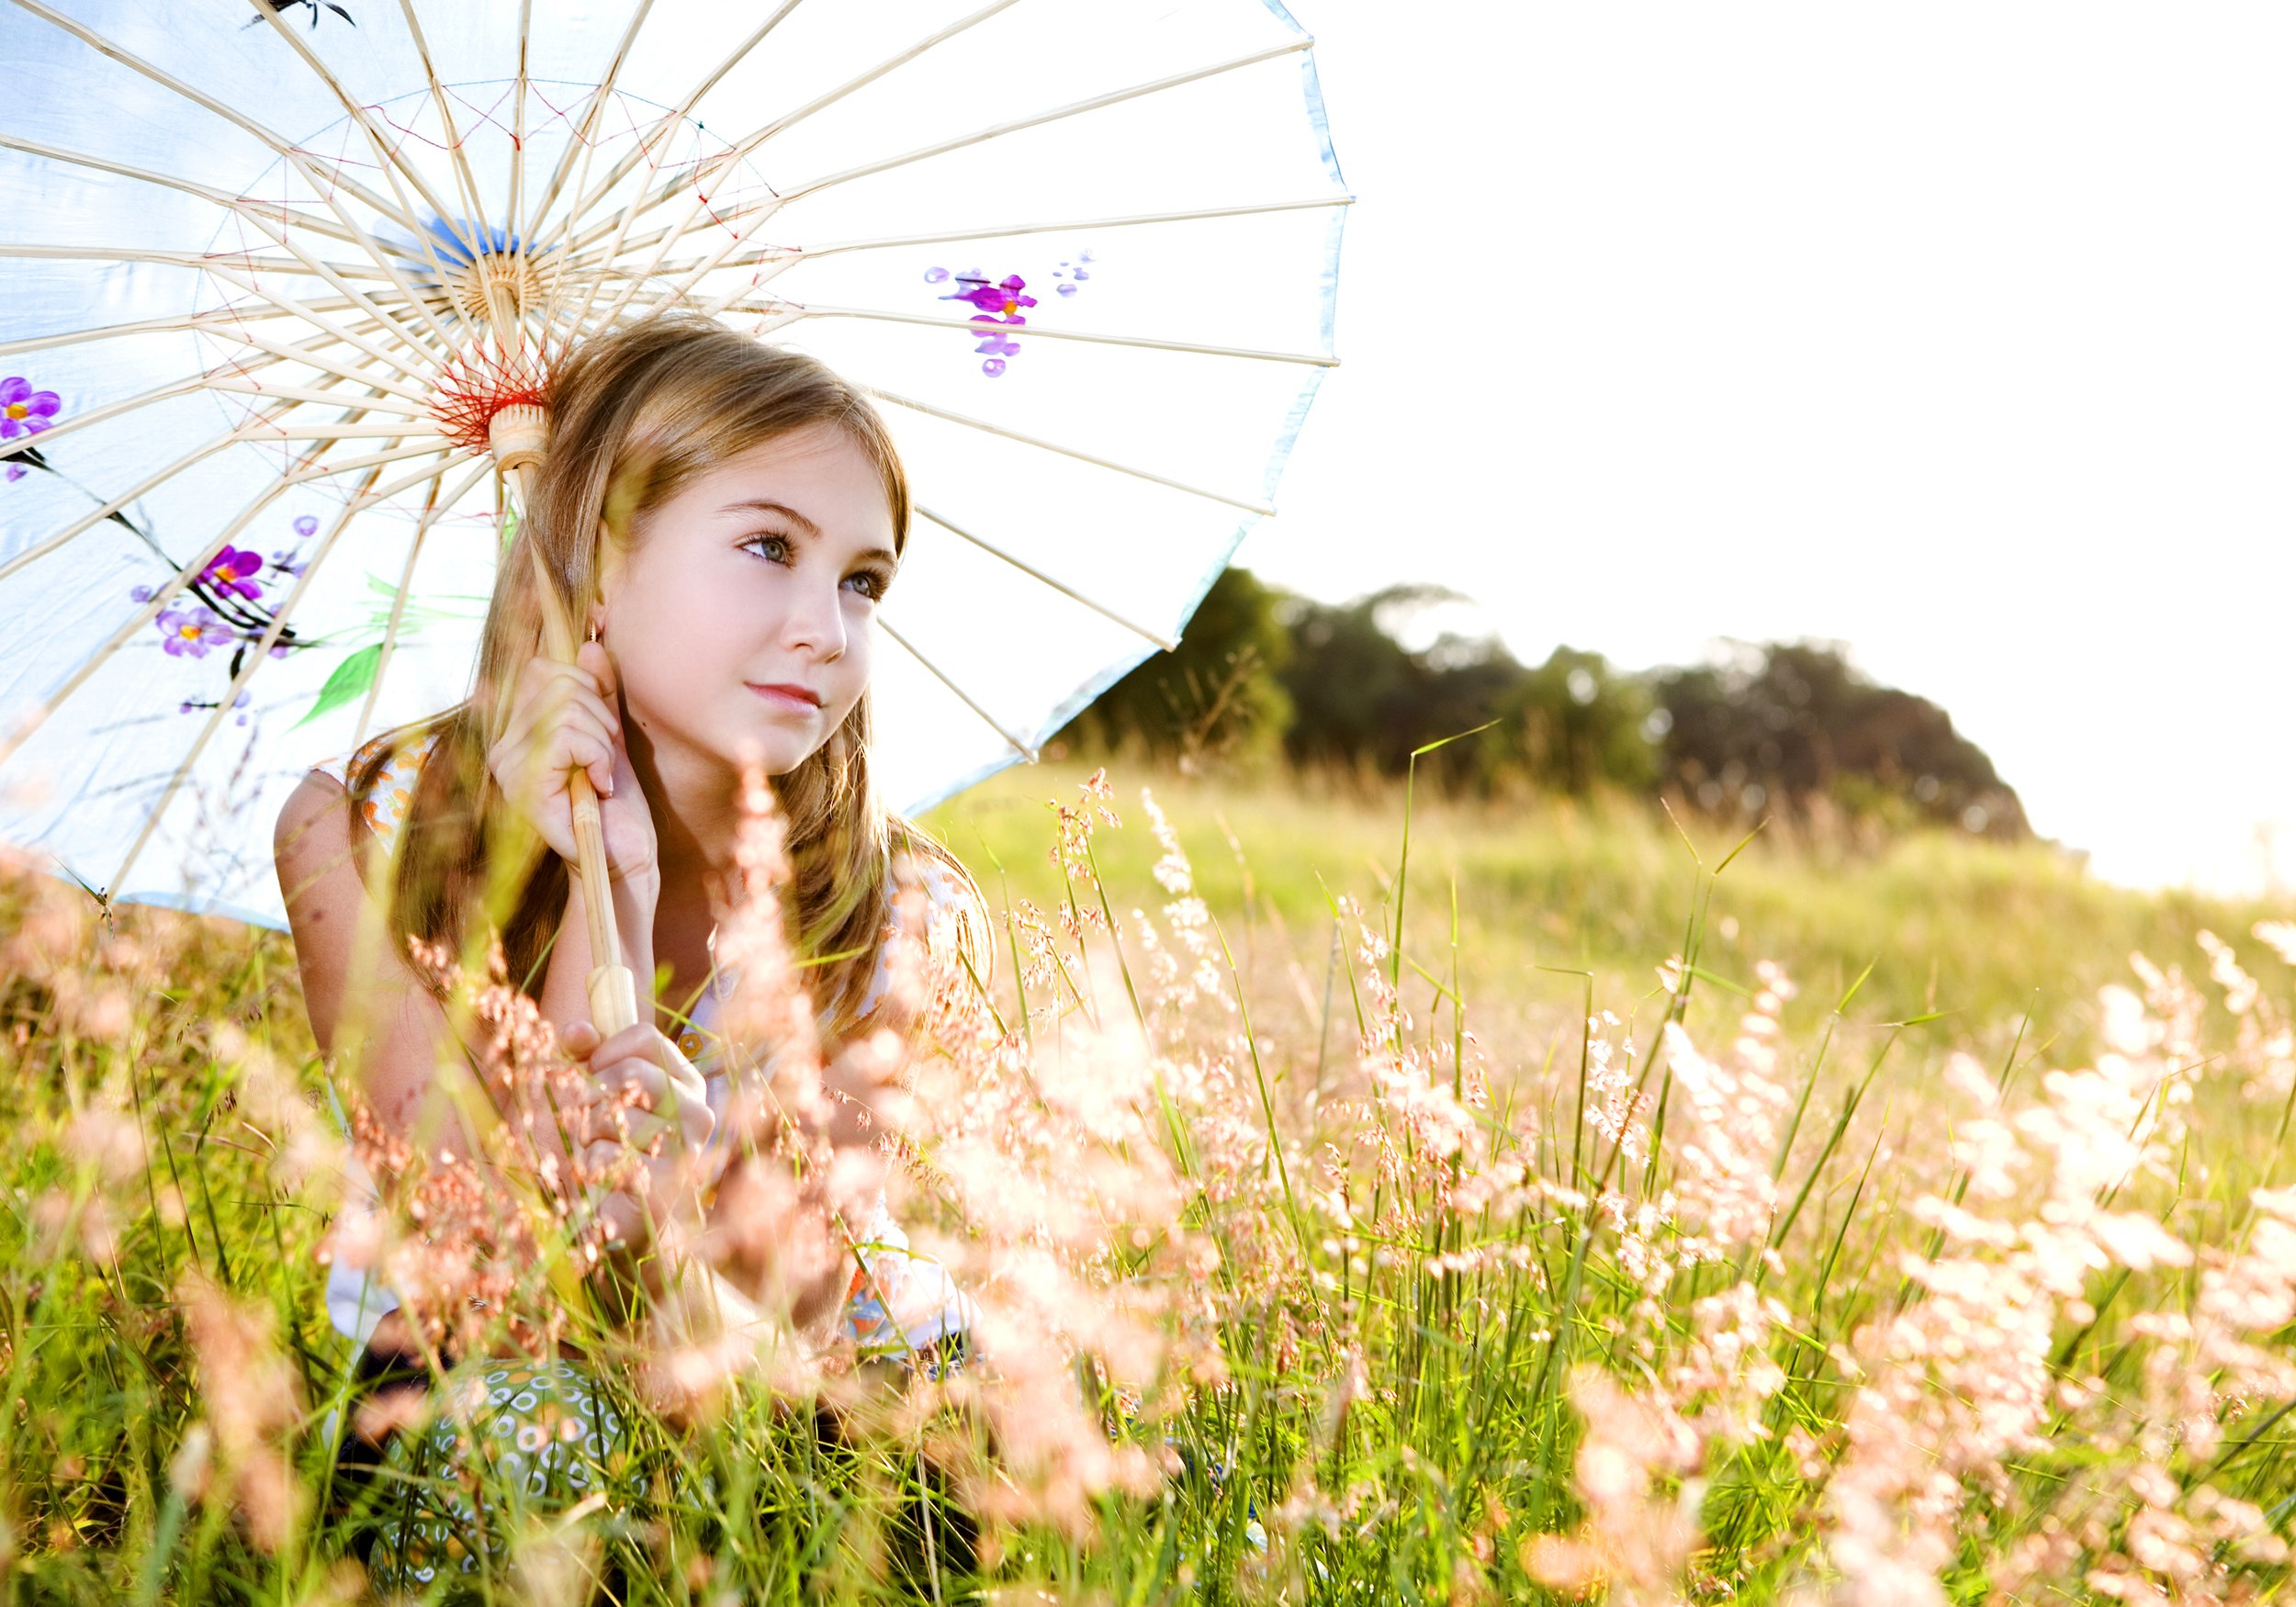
(896, 1301)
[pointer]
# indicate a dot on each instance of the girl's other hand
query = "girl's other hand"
(568, 716)
(639, 1078)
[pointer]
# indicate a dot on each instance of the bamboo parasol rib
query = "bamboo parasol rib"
(255, 660)
(41, 710)
(1088, 337)
(585, 138)
(436, 506)
(1102, 609)
(742, 148)
(986, 427)
(966, 698)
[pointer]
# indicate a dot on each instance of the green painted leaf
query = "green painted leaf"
(434, 609)
(351, 679)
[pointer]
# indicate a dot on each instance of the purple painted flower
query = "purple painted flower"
(16, 471)
(23, 411)
(229, 570)
(999, 302)
(285, 560)
(192, 630)
(1072, 274)
(140, 594)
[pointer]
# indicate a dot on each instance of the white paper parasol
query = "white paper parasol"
(264, 270)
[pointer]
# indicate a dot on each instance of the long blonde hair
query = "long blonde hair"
(635, 414)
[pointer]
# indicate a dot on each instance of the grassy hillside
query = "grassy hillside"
(1981, 930)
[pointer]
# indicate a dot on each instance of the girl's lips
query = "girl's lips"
(786, 696)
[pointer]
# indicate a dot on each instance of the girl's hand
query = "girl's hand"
(641, 1081)
(568, 716)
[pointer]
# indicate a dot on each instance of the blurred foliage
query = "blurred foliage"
(1796, 723)
(1769, 729)
(1217, 694)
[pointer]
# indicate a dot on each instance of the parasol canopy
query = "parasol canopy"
(271, 272)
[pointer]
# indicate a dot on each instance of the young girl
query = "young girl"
(736, 512)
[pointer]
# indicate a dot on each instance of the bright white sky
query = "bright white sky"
(1965, 333)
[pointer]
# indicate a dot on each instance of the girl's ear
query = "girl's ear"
(609, 578)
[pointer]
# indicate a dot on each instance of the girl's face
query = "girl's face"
(741, 622)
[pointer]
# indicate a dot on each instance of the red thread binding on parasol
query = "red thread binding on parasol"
(477, 384)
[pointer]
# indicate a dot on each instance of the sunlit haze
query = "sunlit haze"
(1960, 334)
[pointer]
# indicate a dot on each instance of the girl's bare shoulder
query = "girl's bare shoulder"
(314, 835)
(957, 913)
(946, 882)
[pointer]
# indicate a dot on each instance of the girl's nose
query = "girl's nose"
(816, 622)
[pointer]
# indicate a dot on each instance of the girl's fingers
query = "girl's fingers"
(568, 717)
(544, 761)
(592, 658)
(553, 694)
(641, 1086)
(581, 745)
(542, 688)
(625, 1222)
(697, 1121)
(600, 1156)
(581, 691)
(591, 672)
(644, 1043)
(581, 735)
(631, 1042)
(535, 773)
(623, 1216)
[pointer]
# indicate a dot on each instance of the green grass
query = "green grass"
(1944, 922)
(1417, 1402)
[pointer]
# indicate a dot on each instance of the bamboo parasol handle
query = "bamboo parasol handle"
(613, 989)
(519, 434)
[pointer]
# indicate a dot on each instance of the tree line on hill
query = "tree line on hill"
(1265, 676)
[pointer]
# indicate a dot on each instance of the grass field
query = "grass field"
(1982, 930)
(1907, 1243)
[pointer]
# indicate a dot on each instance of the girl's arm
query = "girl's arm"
(339, 932)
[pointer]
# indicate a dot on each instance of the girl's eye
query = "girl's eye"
(779, 549)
